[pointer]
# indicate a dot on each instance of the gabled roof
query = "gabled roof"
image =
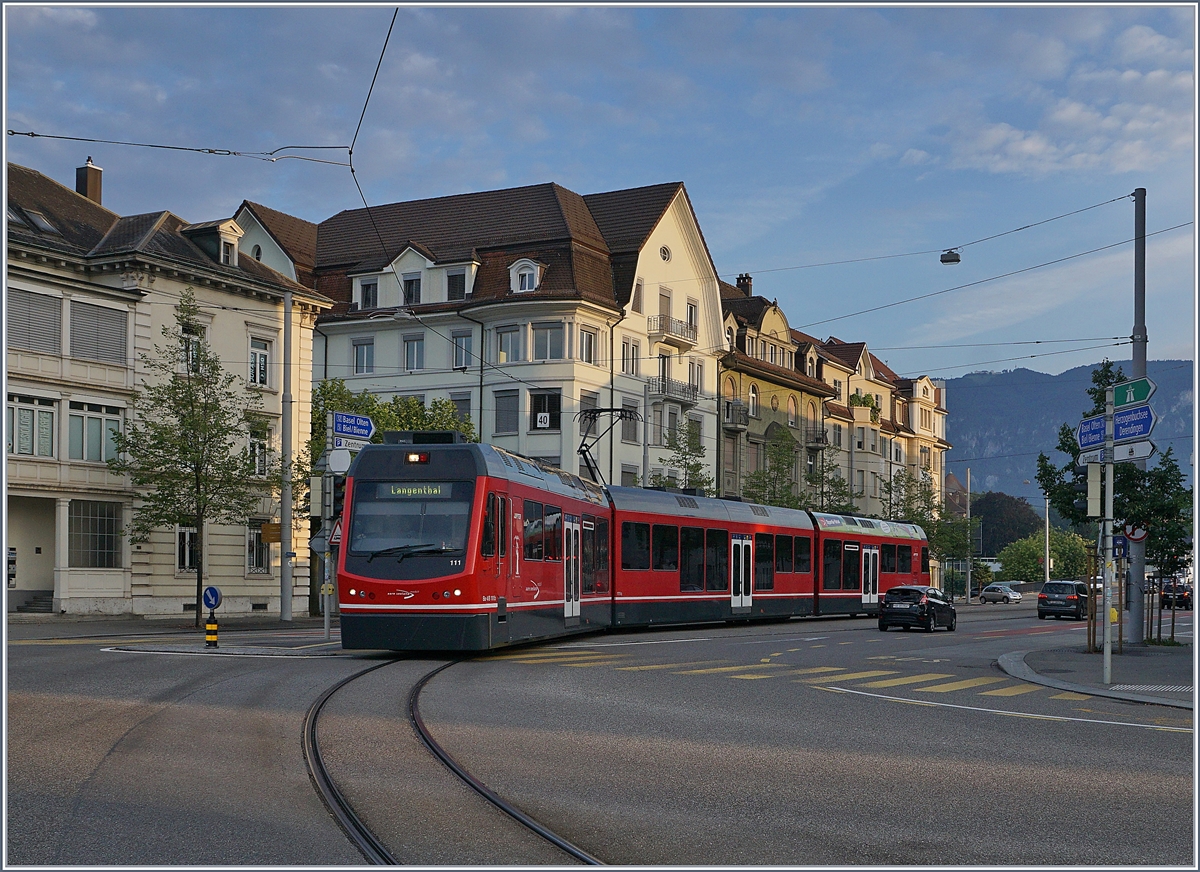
(90, 232)
(748, 310)
(297, 237)
(627, 218)
(452, 228)
(848, 353)
(883, 372)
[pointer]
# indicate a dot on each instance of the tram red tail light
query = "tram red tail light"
(417, 457)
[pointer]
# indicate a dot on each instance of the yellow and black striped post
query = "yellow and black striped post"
(210, 630)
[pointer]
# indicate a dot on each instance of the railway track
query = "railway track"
(372, 849)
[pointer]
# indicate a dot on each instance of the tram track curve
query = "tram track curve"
(372, 849)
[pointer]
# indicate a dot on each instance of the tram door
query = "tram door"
(870, 576)
(504, 557)
(741, 572)
(571, 570)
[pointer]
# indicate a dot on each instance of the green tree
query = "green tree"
(1164, 508)
(187, 447)
(1004, 519)
(775, 485)
(687, 456)
(826, 490)
(913, 498)
(1022, 560)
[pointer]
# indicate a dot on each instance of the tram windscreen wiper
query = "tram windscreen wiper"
(402, 551)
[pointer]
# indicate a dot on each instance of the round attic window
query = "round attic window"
(664, 253)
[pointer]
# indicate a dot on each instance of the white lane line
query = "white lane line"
(1012, 714)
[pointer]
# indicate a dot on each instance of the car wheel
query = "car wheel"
(932, 625)
(1079, 615)
(1041, 617)
(882, 627)
(904, 627)
(953, 623)
(1006, 600)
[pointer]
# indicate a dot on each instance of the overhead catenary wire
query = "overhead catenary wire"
(269, 156)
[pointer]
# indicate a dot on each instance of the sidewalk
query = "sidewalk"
(1154, 674)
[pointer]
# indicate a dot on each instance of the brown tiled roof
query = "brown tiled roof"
(848, 353)
(729, 292)
(626, 218)
(742, 362)
(748, 309)
(89, 231)
(883, 372)
(297, 237)
(837, 410)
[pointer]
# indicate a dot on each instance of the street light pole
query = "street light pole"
(1046, 555)
(1137, 550)
(967, 591)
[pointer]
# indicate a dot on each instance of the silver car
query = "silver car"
(999, 593)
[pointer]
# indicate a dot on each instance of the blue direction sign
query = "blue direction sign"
(211, 596)
(353, 426)
(1133, 422)
(1091, 433)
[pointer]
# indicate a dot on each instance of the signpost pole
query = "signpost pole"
(1107, 525)
(1137, 550)
(327, 525)
(285, 496)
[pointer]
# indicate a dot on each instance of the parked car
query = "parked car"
(916, 605)
(1176, 594)
(999, 593)
(1063, 598)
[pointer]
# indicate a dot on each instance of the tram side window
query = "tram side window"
(831, 566)
(635, 545)
(503, 519)
(716, 559)
(904, 553)
(666, 547)
(487, 542)
(925, 560)
(783, 553)
(764, 561)
(691, 558)
(553, 526)
(803, 554)
(887, 558)
(601, 555)
(851, 568)
(587, 561)
(533, 530)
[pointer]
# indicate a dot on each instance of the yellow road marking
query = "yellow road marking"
(870, 673)
(549, 658)
(845, 643)
(589, 663)
(908, 679)
(1069, 695)
(959, 685)
(811, 669)
(751, 676)
(816, 646)
(663, 666)
(1015, 690)
(716, 669)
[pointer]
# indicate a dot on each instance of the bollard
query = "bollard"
(210, 630)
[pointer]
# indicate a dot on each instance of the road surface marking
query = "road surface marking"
(1014, 690)
(718, 669)
(959, 685)
(908, 679)
(663, 666)
(1070, 695)
(870, 673)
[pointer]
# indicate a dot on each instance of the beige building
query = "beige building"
(88, 293)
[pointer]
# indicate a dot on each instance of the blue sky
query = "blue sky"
(805, 136)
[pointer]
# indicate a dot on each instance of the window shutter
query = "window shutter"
(34, 322)
(98, 333)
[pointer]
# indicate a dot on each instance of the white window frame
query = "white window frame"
(182, 536)
(514, 352)
(363, 366)
(588, 337)
(363, 284)
(258, 552)
(104, 416)
(260, 451)
(260, 362)
(524, 276)
(41, 412)
(461, 348)
(414, 352)
(405, 289)
(451, 274)
(549, 329)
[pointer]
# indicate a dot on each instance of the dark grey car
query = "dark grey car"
(1063, 599)
(913, 605)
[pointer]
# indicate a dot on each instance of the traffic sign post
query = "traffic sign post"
(1129, 393)
(1133, 423)
(1131, 451)
(353, 426)
(1090, 433)
(212, 600)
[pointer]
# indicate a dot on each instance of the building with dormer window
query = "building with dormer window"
(88, 293)
(526, 306)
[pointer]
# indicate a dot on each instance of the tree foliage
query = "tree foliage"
(913, 498)
(1004, 519)
(186, 446)
(1022, 560)
(776, 484)
(686, 455)
(826, 489)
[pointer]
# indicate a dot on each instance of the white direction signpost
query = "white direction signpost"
(1129, 451)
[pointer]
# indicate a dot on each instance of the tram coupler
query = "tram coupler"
(210, 630)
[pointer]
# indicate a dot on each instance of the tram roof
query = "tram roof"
(636, 499)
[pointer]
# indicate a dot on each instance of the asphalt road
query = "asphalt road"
(808, 742)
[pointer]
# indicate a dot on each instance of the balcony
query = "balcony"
(736, 417)
(669, 389)
(671, 331)
(816, 437)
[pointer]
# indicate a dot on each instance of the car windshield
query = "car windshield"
(1058, 587)
(904, 595)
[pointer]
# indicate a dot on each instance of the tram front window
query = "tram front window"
(408, 529)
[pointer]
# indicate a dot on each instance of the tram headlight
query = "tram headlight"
(352, 591)
(457, 592)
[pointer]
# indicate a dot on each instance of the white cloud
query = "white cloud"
(55, 16)
(1141, 43)
(916, 157)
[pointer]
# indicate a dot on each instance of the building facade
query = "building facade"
(526, 307)
(88, 294)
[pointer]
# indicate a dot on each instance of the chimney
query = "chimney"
(87, 181)
(746, 284)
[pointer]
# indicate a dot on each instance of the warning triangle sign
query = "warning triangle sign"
(335, 538)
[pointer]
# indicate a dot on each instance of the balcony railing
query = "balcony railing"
(674, 390)
(736, 416)
(671, 330)
(816, 436)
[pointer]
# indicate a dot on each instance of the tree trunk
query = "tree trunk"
(199, 566)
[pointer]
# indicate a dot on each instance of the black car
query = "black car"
(1176, 594)
(916, 605)
(1063, 599)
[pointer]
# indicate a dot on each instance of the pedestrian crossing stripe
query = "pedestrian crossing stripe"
(663, 666)
(870, 673)
(1070, 695)
(719, 669)
(1013, 690)
(908, 679)
(959, 685)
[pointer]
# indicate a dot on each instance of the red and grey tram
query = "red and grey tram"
(467, 546)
